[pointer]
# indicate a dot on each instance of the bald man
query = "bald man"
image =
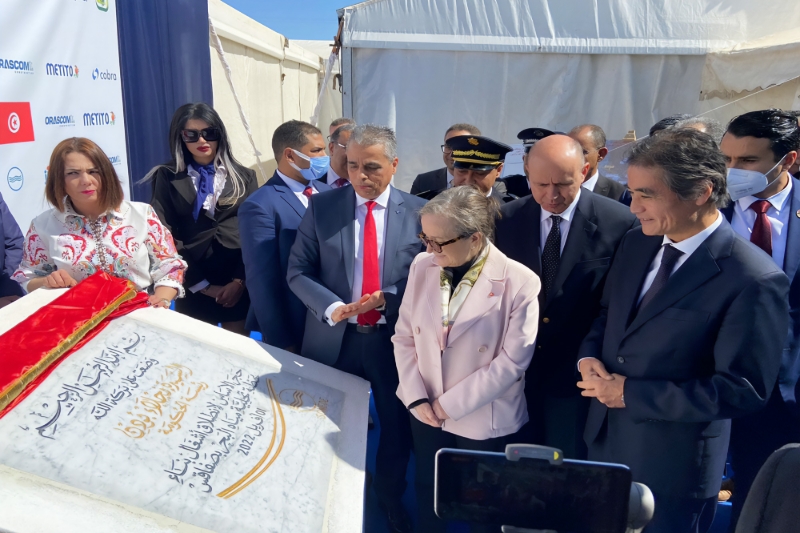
(567, 235)
(593, 142)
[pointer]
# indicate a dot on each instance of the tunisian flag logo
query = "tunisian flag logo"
(16, 124)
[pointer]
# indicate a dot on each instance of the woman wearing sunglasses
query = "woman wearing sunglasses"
(464, 337)
(197, 195)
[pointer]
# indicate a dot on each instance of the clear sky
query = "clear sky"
(296, 19)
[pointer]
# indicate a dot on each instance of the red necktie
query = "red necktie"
(370, 280)
(307, 192)
(341, 182)
(762, 229)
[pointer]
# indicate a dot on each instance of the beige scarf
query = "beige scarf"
(452, 301)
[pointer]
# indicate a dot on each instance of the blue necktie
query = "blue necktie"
(205, 186)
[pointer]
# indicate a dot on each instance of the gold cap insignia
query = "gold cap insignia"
(473, 141)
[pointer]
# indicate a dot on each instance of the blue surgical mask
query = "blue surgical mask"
(319, 166)
(743, 183)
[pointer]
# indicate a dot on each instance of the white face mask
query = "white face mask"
(319, 166)
(743, 183)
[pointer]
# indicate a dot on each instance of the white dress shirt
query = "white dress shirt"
(450, 178)
(778, 214)
(220, 178)
(379, 213)
(332, 177)
(298, 188)
(546, 223)
(591, 183)
(687, 246)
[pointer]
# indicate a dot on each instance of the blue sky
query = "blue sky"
(296, 19)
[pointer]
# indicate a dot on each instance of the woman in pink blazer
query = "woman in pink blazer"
(464, 338)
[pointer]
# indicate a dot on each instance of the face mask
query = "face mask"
(743, 183)
(319, 165)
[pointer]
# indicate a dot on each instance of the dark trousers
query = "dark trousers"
(427, 441)
(371, 356)
(557, 422)
(682, 515)
(753, 439)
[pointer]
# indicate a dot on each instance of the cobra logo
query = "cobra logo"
(13, 123)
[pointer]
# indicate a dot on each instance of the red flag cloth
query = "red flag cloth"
(33, 348)
(16, 123)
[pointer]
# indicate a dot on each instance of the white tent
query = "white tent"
(505, 65)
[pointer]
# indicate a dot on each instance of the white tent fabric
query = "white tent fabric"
(505, 65)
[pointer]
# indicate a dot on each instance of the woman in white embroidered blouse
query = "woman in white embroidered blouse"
(92, 227)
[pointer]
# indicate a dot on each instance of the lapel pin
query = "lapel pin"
(798, 213)
(491, 294)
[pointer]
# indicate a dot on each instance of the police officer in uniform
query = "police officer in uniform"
(478, 161)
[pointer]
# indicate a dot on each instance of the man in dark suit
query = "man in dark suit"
(468, 169)
(10, 257)
(429, 184)
(517, 184)
(758, 144)
(349, 266)
(593, 141)
(690, 333)
(336, 176)
(572, 257)
(268, 223)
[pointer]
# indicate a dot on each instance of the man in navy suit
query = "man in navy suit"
(429, 184)
(690, 333)
(762, 146)
(268, 223)
(572, 257)
(349, 266)
(10, 257)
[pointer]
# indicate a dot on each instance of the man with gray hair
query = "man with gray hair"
(690, 332)
(349, 266)
(706, 125)
(337, 176)
(338, 123)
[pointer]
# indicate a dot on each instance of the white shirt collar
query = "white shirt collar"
(294, 185)
(778, 200)
(688, 246)
(332, 175)
(591, 183)
(382, 200)
(69, 210)
(566, 215)
(450, 178)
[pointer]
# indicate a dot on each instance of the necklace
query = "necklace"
(98, 241)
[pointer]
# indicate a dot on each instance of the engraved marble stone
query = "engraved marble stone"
(180, 419)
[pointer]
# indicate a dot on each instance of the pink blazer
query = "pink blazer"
(479, 377)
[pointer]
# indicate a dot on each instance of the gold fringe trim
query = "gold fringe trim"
(20, 384)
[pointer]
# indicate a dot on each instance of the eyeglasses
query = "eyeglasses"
(340, 145)
(209, 134)
(437, 246)
(446, 149)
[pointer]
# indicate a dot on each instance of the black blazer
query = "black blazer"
(707, 348)
(517, 184)
(609, 188)
(210, 245)
(435, 180)
(567, 313)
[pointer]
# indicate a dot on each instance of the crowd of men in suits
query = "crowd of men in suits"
(622, 371)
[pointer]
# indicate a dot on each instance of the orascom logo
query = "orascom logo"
(102, 5)
(115, 160)
(18, 67)
(59, 120)
(56, 69)
(97, 74)
(99, 119)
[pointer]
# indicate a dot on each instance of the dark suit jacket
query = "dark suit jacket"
(323, 255)
(789, 377)
(268, 223)
(435, 180)
(707, 348)
(209, 245)
(11, 255)
(609, 188)
(517, 184)
(567, 313)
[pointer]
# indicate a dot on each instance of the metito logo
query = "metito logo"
(15, 178)
(54, 69)
(60, 120)
(109, 76)
(115, 160)
(102, 5)
(99, 119)
(19, 67)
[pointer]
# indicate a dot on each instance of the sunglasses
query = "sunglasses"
(209, 134)
(437, 246)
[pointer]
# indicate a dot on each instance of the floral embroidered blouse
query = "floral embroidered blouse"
(129, 243)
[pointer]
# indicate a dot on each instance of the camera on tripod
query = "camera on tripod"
(533, 489)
